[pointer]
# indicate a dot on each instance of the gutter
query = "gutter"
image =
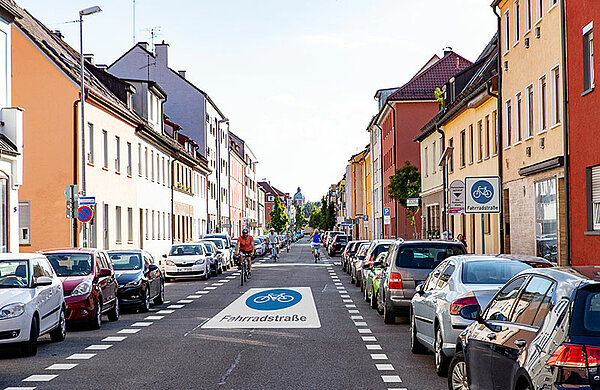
(76, 103)
(499, 128)
(566, 133)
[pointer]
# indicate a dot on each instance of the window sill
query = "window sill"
(129, 176)
(118, 243)
(105, 169)
(90, 164)
(592, 233)
(551, 8)
(528, 138)
(554, 126)
(506, 147)
(117, 173)
(517, 143)
(130, 242)
(587, 91)
(542, 132)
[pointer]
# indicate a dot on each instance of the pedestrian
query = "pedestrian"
(461, 239)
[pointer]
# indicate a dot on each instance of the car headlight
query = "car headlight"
(169, 262)
(82, 288)
(134, 283)
(12, 310)
(200, 262)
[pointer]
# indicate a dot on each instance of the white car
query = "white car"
(187, 261)
(221, 244)
(259, 247)
(31, 301)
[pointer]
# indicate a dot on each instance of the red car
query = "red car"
(89, 284)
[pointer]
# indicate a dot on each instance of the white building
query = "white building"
(376, 180)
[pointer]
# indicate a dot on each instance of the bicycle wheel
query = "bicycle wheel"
(243, 273)
(283, 298)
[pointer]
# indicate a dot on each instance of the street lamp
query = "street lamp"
(82, 13)
(218, 139)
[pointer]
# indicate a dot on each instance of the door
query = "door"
(56, 295)
(482, 336)
(105, 222)
(150, 275)
(141, 229)
(512, 342)
(43, 296)
(107, 283)
(424, 305)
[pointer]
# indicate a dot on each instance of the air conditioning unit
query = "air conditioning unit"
(542, 143)
(537, 32)
(528, 151)
(526, 43)
(506, 66)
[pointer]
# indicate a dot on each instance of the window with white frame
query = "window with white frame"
(593, 179)
(528, 15)
(495, 131)
(463, 148)
(152, 165)
(519, 119)
(487, 136)
(139, 159)
(530, 110)
(129, 158)
(129, 224)
(90, 142)
(480, 138)
(471, 144)
(543, 86)
(517, 20)
(555, 89)
(508, 123)
(426, 161)
(588, 57)
(118, 223)
(506, 30)
(146, 162)
(433, 157)
(539, 9)
(117, 153)
(105, 148)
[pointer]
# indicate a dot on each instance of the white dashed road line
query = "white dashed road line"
(62, 366)
(81, 356)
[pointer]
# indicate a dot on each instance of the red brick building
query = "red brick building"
(584, 142)
(270, 194)
(401, 118)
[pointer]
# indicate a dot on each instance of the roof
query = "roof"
(423, 85)
(269, 188)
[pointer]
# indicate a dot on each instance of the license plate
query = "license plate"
(187, 269)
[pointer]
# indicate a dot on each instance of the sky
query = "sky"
(295, 78)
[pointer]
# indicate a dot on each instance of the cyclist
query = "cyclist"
(315, 241)
(273, 240)
(288, 241)
(245, 244)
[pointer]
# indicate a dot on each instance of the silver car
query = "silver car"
(458, 282)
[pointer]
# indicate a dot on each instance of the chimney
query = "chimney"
(143, 45)
(181, 73)
(58, 34)
(102, 66)
(89, 58)
(447, 50)
(161, 51)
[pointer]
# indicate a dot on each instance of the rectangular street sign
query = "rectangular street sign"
(482, 194)
(87, 200)
(387, 212)
(412, 202)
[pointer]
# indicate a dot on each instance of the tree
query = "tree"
(331, 216)
(324, 217)
(315, 219)
(279, 219)
(406, 183)
(300, 219)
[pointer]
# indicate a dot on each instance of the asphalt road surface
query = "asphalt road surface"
(169, 348)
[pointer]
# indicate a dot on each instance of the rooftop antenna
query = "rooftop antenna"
(134, 22)
(154, 32)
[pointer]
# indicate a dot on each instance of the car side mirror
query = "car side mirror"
(419, 289)
(43, 281)
(105, 272)
(165, 256)
(152, 267)
(472, 313)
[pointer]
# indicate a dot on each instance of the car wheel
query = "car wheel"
(415, 345)
(215, 272)
(441, 360)
(366, 291)
(60, 332)
(352, 280)
(373, 299)
(457, 375)
(113, 314)
(145, 306)
(30, 346)
(160, 299)
(206, 273)
(220, 269)
(96, 322)
(379, 302)
(388, 317)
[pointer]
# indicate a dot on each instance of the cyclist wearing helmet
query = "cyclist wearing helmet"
(273, 240)
(245, 244)
(315, 240)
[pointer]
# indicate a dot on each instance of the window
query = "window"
(540, 9)
(553, 3)
(543, 104)
(445, 277)
(433, 157)
(519, 119)
(528, 15)
(508, 133)
(147, 225)
(117, 154)
(105, 148)
(481, 139)
(152, 222)
(163, 172)
(487, 136)
(128, 158)
(593, 179)
(500, 307)
(506, 31)
(425, 162)
(463, 148)
(90, 154)
(158, 169)
(129, 224)
(471, 142)
(546, 229)
(588, 57)
(495, 132)
(534, 302)
(152, 165)
(530, 111)
(146, 161)
(451, 156)
(140, 160)
(24, 222)
(555, 87)
(118, 222)
(517, 20)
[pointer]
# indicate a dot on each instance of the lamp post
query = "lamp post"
(82, 13)
(218, 150)
(443, 163)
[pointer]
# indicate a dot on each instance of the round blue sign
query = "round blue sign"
(275, 299)
(482, 191)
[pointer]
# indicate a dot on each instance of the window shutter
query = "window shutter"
(596, 184)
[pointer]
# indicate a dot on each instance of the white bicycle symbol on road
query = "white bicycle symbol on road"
(482, 191)
(281, 298)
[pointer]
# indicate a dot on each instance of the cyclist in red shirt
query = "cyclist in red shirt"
(245, 244)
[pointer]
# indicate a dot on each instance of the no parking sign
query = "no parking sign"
(85, 214)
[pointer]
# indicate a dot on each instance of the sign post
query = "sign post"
(71, 194)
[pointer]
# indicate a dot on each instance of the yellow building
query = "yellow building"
(466, 127)
(367, 220)
(532, 127)
(358, 194)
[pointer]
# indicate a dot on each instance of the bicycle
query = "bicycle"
(282, 298)
(316, 253)
(243, 268)
(482, 191)
(273, 252)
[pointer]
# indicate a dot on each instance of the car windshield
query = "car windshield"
(586, 312)
(71, 264)
(491, 271)
(218, 243)
(209, 248)
(14, 274)
(362, 250)
(126, 261)
(425, 256)
(341, 239)
(257, 241)
(380, 249)
(185, 250)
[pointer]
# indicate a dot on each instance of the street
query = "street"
(168, 348)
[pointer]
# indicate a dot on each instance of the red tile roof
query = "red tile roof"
(423, 85)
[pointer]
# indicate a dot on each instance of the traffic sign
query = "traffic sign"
(412, 202)
(87, 200)
(457, 198)
(482, 194)
(387, 213)
(85, 214)
(365, 217)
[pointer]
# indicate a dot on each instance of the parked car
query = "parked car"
(259, 247)
(31, 303)
(188, 261)
(219, 261)
(457, 282)
(89, 283)
(372, 279)
(408, 264)
(540, 331)
(223, 236)
(357, 262)
(376, 247)
(227, 254)
(139, 277)
(348, 252)
(330, 236)
(338, 244)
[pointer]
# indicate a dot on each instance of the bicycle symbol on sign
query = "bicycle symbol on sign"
(281, 298)
(274, 299)
(482, 191)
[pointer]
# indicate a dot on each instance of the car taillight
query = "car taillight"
(378, 276)
(575, 356)
(460, 303)
(395, 281)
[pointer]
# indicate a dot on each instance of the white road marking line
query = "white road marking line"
(98, 347)
(397, 388)
(20, 388)
(166, 302)
(165, 312)
(202, 292)
(185, 301)
(352, 311)
(174, 306)
(129, 331)
(373, 347)
(231, 277)
(379, 356)
(39, 378)
(340, 287)
(193, 296)
(154, 318)
(369, 338)
(360, 323)
(338, 284)
(391, 378)
(345, 296)
(226, 281)
(384, 367)
(217, 284)
(143, 324)
(210, 288)
(356, 317)
(114, 338)
(364, 330)
(347, 300)
(81, 356)
(350, 305)
(62, 366)
(236, 274)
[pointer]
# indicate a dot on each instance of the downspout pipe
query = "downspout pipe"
(381, 182)
(76, 105)
(567, 194)
(445, 221)
(500, 130)
(395, 167)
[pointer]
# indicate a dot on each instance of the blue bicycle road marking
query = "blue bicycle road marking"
(482, 191)
(274, 299)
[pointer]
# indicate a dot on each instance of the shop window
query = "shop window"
(546, 219)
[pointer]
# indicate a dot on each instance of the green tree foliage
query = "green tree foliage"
(279, 219)
(315, 219)
(406, 183)
(300, 219)
(310, 207)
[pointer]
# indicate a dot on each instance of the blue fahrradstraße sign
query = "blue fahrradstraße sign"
(483, 194)
(274, 299)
